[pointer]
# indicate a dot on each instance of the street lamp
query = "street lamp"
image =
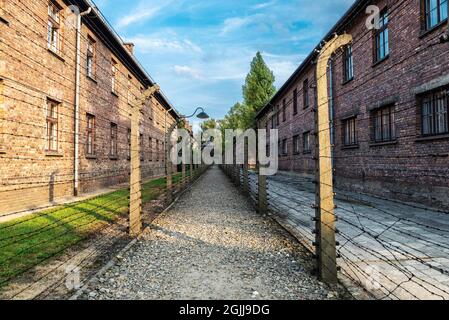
(168, 166)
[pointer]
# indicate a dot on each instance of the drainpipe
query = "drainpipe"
(77, 99)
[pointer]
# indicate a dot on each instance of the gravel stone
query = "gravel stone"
(212, 245)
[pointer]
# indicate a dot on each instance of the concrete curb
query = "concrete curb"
(111, 262)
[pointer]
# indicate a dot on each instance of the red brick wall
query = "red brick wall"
(403, 169)
(30, 74)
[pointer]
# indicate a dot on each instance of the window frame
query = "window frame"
(380, 114)
(295, 101)
(90, 135)
(349, 134)
(114, 71)
(384, 28)
(91, 58)
(306, 143)
(296, 144)
(426, 13)
(52, 128)
(113, 148)
(348, 64)
(433, 116)
(284, 146)
(305, 90)
(54, 36)
(284, 110)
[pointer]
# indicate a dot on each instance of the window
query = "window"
(284, 110)
(113, 76)
(348, 64)
(90, 135)
(435, 12)
(52, 125)
(305, 90)
(350, 132)
(284, 147)
(141, 147)
(295, 101)
(90, 60)
(306, 142)
(296, 144)
(382, 47)
(383, 124)
(128, 139)
(150, 144)
(53, 31)
(113, 145)
(434, 113)
(130, 79)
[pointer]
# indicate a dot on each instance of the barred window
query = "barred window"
(295, 101)
(284, 147)
(381, 39)
(90, 135)
(435, 12)
(296, 144)
(113, 145)
(434, 113)
(306, 142)
(128, 139)
(350, 132)
(284, 110)
(305, 90)
(348, 64)
(384, 124)
(113, 76)
(150, 144)
(52, 125)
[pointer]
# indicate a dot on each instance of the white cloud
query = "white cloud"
(232, 24)
(142, 12)
(147, 44)
(187, 71)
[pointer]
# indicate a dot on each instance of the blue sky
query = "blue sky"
(199, 51)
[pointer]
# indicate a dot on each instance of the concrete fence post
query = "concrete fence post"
(135, 198)
(262, 200)
(326, 247)
(245, 168)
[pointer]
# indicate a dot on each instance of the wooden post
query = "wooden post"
(325, 217)
(245, 168)
(262, 201)
(135, 199)
(168, 169)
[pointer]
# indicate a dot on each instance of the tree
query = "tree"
(257, 92)
(258, 89)
(209, 124)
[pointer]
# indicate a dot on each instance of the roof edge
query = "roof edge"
(352, 11)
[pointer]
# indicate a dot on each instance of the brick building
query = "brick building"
(38, 97)
(389, 104)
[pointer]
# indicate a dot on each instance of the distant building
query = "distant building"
(389, 104)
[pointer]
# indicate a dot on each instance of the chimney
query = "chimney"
(129, 46)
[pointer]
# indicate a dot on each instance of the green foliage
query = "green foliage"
(210, 124)
(259, 87)
(31, 240)
(257, 92)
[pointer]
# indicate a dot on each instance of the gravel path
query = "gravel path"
(212, 245)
